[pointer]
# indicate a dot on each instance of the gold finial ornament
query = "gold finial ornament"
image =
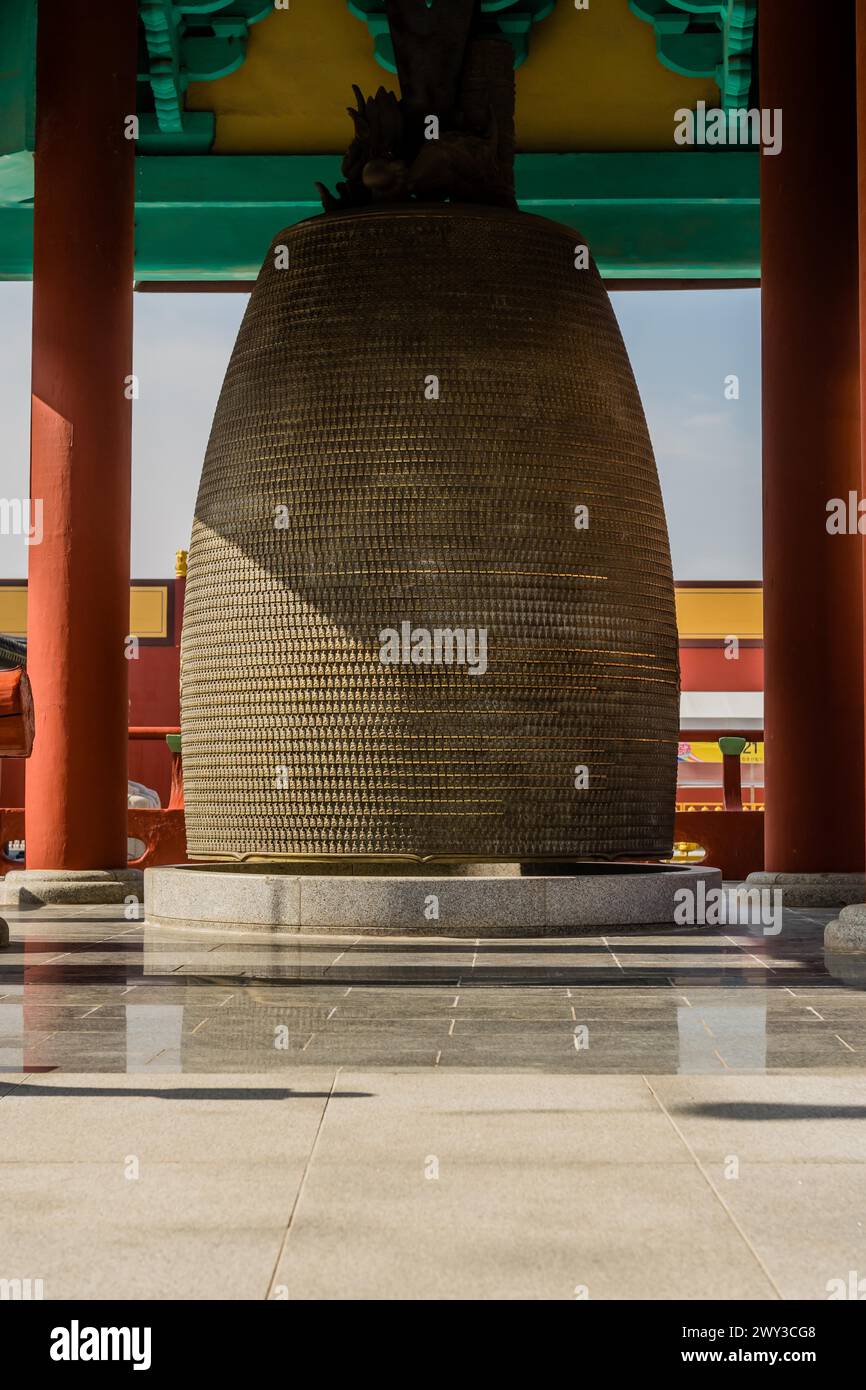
(180, 563)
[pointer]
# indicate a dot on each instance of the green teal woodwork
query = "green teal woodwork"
(17, 98)
(705, 38)
(187, 41)
(684, 214)
(182, 41)
(513, 18)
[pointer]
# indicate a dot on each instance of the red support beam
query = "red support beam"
(78, 590)
(813, 589)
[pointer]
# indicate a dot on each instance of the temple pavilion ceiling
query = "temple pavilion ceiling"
(241, 107)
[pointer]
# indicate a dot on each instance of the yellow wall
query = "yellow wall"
(591, 82)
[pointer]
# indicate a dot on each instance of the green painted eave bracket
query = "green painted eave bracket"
(705, 38)
(513, 18)
(187, 41)
(683, 215)
(196, 135)
(182, 41)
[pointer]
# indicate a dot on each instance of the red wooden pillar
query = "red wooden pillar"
(176, 799)
(861, 183)
(81, 433)
(813, 587)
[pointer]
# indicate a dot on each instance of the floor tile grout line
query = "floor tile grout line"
(711, 1185)
(750, 955)
(296, 1203)
(610, 949)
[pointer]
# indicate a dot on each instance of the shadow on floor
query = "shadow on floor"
(761, 1110)
(185, 1092)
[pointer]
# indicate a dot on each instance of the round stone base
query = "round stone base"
(848, 931)
(69, 887)
(293, 899)
(813, 890)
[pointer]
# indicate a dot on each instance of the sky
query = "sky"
(684, 345)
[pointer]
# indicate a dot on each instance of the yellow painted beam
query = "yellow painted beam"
(148, 610)
(703, 613)
(13, 610)
(716, 612)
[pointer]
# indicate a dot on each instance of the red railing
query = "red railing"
(161, 830)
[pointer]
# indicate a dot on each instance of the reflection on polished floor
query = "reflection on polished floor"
(630, 1115)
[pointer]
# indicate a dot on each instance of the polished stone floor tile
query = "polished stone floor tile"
(194, 1232)
(384, 1118)
(444, 1206)
(804, 1221)
(104, 994)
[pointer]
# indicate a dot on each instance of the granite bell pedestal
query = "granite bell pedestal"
(422, 900)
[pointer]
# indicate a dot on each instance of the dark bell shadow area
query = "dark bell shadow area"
(25, 1090)
(769, 1110)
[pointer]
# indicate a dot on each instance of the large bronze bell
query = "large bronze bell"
(430, 609)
